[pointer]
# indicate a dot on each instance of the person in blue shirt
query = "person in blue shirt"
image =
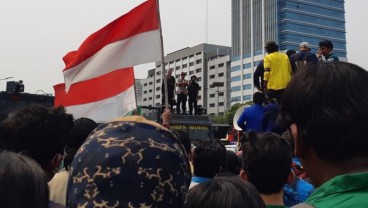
(250, 119)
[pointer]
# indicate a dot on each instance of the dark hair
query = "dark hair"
(271, 47)
(290, 52)
(267, 162)
(328, 103)
(23, 182)
(259, 98)
(233, 162)
(37, 131)
(208, 157)
(185, 141)
(82, 128)
(225, 192)
(326, 43)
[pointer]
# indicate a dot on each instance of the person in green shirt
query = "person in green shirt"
(325, 107)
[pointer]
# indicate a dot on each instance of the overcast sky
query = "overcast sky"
(36, 34)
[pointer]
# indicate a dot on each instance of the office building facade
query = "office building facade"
(288, 23)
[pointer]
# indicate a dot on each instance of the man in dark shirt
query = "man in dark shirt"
(193, 91)
(170, 90)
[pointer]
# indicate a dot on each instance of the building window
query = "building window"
(246, 66)
(150, 83)
(220, 74)
(158, 80)
(212, 95)
(150, 90)
(236, 78)
(212, 105)
(144, 99)
(177, 68)
(191, 64)
(212, 67)
(235, 68)
(221, 93)
(157, 96)
(199, 61)
(145, 92)
(177, 76)
(185, 58)
(247, 76)
(212, 76)
(158, 88)
(235, 99)
(150, 98)
(247, 87)
(199, 53)
(191, 72)
(158, 72)
(198, 70)
(247, 97)
(185, 65)
(199, 97)
(221, 65)
(198, 80)
(157, 104)
(145, 84)
(235, 89)
(221, 103)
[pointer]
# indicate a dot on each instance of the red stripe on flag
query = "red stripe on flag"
(142, 18)
(95, 89)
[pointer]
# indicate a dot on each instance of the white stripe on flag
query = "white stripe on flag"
(107, 109)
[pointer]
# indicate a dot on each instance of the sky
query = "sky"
(36, 34)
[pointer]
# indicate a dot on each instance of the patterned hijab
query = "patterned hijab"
(129, 162)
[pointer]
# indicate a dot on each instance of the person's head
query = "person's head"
(259, 98)
(233, 162)
(290, 52)
(266, 162)
(169, 72)
(193, 78)
(325, 47)
(82, 128)
(182, 75)
(304, 46)
(332, 122)
(23, 182)
(208, 157)
(39, 132)
(271, 47)
(225, 192)
(129, 162)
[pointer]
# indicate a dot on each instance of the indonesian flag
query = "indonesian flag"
(99, 76)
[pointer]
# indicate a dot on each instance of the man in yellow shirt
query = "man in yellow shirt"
(277, 71)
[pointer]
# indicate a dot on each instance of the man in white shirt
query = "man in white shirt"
(181, 92)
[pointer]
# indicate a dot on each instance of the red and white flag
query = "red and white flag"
(99, 76)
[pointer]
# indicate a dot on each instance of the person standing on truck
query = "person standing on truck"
(193, 92)
(170, 90)
(182, 93)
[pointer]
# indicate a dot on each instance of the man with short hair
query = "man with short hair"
(277, 71)
(326, 49)
(325, 107)
(193, 93)
(207, 159)
(267, 165)
(182, 93)
(250, 119)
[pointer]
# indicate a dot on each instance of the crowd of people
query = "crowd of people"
(311, 154)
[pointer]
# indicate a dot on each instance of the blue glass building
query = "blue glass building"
(288, 23)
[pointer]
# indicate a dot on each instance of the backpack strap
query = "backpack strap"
(302, 205)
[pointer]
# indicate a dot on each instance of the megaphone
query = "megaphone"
(237, 115)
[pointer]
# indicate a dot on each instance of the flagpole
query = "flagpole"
(162, 58)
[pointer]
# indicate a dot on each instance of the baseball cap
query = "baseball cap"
(304, 45)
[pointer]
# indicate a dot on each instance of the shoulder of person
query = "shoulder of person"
(302, 205)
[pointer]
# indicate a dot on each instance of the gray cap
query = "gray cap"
(304, 45)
